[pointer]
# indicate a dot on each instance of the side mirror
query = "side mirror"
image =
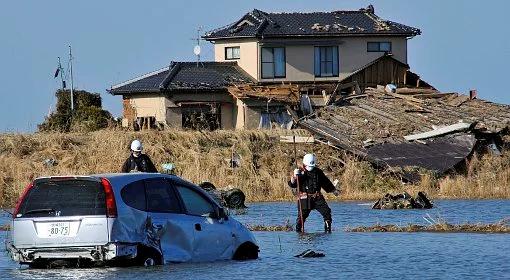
(219, 214)
(222, 214)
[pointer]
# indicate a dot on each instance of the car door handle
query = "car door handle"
(198, 227)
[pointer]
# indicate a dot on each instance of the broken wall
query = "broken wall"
(144, 105)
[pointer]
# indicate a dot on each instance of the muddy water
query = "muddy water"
(352, 255)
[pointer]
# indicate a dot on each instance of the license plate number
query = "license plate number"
(58, 229)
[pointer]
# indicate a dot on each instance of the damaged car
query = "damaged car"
(123, 219)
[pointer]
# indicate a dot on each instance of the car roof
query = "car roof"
(121, 179)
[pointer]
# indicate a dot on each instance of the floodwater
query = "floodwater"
(348, 255)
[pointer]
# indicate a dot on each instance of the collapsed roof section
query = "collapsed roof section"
(259, 24)
(288, 94)
(186, 76)
(379, 124)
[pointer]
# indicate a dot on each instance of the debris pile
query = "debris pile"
(403, 201)
(310, 254)
(287, 226)
(499, 227)
(229, 197)
(418, 127)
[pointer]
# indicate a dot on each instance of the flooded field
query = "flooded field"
(353, 255)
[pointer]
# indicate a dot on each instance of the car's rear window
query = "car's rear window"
(64, 198)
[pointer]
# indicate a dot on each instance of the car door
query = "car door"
(173, 227)
(213, 238)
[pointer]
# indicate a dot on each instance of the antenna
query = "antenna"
(71, 71)
(197, 50)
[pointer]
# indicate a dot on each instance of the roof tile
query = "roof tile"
(336, 23)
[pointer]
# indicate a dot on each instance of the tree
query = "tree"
(87, 116)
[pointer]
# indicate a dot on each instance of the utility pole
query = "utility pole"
(71, 72)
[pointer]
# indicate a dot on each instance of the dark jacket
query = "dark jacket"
(141, 163)
(313, 181)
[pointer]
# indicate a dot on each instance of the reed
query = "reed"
(499, 227)
(266, 164)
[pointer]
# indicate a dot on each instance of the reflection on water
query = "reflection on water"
(354, 255)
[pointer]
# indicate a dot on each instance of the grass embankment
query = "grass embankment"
(205, 156)
(499, 227)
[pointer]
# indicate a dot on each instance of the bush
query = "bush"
(87, 116)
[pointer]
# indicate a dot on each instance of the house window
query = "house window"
(326, 61)
(273, 63)
(201, 116)
(232, 53)
(379, 47)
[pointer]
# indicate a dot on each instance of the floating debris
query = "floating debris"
(310, 254)
(403, 201)
(499, 227)
(285, 227)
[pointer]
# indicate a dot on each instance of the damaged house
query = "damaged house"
(266, 62)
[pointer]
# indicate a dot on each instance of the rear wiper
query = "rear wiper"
(45, 210)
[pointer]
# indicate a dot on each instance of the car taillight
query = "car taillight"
(20, 200)
(111, 206)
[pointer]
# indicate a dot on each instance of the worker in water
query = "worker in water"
(138, 162)
(310, 180)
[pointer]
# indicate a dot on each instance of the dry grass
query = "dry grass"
(499, 227)
(287, 226)
(204, 156)
(488, 177)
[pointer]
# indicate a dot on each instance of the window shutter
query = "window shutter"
(279, 62)
(317, 61)
(335, 61)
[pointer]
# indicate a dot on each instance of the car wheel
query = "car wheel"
(148, 257)
(235, 198)
(247, 251)
(207, 186)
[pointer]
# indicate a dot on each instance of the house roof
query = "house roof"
(260, 24)
(185, 76)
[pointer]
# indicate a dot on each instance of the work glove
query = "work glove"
(296, 173)
(336, 192)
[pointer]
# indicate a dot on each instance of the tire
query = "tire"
(234, 198)
(148, 257)
(207, 186)
(247, 251)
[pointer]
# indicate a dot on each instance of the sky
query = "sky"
(464, 44)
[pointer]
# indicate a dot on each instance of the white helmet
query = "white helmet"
(136, 146)
(310, 160)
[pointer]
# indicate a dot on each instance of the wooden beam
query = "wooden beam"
(297, 139)
(439, 131)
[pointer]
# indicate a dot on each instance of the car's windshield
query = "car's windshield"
(73, 197)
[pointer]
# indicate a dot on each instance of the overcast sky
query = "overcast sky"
(464, 44)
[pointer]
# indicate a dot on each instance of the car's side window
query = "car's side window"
(194, 202)
(161, 197)
(134, 195)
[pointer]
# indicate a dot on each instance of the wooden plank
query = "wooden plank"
(408, 98)
(296, 139)
(440, 131)
(380, 112)
(416, 91)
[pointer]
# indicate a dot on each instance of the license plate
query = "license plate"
(58, 229)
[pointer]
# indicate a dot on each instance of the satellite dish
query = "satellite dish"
(196, 50)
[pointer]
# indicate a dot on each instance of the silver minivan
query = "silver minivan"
(123, 219)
